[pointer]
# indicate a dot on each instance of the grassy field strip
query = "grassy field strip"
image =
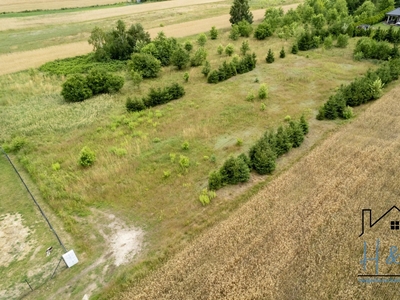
(19, 61)
(21, 5)
(92, 15)
(299, 237)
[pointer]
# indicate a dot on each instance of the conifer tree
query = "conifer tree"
(240, 10)
(270, 57)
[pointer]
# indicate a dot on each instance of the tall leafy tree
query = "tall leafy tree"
(240, 10)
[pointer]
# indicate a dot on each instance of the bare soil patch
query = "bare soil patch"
(13, 239)
(19, 61)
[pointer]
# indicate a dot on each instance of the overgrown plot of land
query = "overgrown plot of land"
(24, 238)
(299, 237)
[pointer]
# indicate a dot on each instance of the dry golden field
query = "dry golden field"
(23, 5)
(299, 237)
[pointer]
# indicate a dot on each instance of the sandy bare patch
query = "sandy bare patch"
(19, 61)
(13, 236)
(85, 16)
(124, 241)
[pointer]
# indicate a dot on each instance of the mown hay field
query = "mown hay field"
(299, 237)
(23, 5)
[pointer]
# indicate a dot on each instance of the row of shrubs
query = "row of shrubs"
(361, 90)
(262, 155)
(156, 96)
(371, 49)
(236, 66)
(79, 87)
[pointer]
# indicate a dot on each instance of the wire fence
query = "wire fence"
(34, 247)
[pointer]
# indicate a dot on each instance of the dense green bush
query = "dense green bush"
(87, 157)
(263, 31)
(180, 58)
(263, 157)
(234, 33)
(213, 77)
(135, 104)
(227, 70)
(215, 181)
(165, 47)
(202, 39)
(145, 64)
(76, 89)
(158, 96)
(229, 49)
(188, 46)
(199, 57)
(245, 28)
(81, 64)
(119, 43)
(342, 41)
(376, 50)
(295, 49)
(234, 170)
(101, 82)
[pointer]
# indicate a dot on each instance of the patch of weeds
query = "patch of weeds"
(184, 162)
(56, 166)
(206, 196)
(172, 157)
(185, 145)
(167, 174)
(156, 140)
(118, 151)
(239, 142)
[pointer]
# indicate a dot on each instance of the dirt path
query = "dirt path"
(98, 14)
(19, 61)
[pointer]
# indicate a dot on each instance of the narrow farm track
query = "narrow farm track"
(19, 61)
(298, 238)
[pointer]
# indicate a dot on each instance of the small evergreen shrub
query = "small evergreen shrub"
(229, 50)
(270, 57)
(263, 92)
(202, 39)
(186, 76)
(245, 47)
(206, 69)
(213, 33)
(220, 49)
(188, 46)
(295, 49)
(282, 54)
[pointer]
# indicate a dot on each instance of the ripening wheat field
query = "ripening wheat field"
(299, 237)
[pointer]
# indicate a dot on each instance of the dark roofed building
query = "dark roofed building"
(393, 16)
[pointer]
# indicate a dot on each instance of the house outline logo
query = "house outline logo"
(394, 224)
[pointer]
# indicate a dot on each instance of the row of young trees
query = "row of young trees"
(262, 155)
(236, 66)
(359, 91)
(156, 96)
